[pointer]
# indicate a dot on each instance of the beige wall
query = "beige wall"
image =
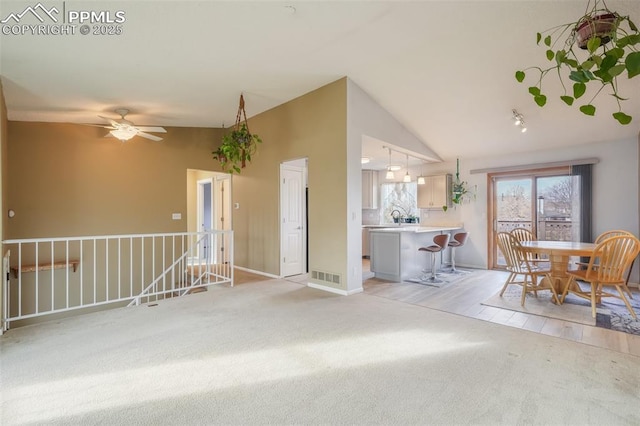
(312, 126)
(68, 180)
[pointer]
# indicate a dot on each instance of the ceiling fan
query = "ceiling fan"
(124, 130)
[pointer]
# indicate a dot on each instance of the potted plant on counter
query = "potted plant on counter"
(597, 49)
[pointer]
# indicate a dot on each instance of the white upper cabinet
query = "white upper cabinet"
(370, 189)
(435, 193)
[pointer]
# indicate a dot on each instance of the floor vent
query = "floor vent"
(326, 277)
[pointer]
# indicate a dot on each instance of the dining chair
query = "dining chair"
(518, 264)
(600, 238)
(523, 234)
(440, 242)
(607, 267)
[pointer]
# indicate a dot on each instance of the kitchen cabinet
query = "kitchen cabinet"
(370, 189)
(435, 193)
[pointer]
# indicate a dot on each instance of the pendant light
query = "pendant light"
(407, 176)
(389, 174)
(421, 177)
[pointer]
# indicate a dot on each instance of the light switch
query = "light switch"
(176, 216)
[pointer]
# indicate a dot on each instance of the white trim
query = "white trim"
(536, 166)
(253, 271)
(335, 290)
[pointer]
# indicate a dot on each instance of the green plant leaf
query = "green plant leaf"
(567, 99)
(588, 109)
(550, 55)
(561, 56)
(597, 59)
(633, 64)
(579, 89)
(593, 44)
(445, 208)
(617, 70)
(588, 64)
(520, 76)
(535, 91)
(571, 62)
(632, 25)
(541, 100)
(625, 41)
(547, 40)
(538, 38)
(622, 117)
(578, 76)
(616, 52)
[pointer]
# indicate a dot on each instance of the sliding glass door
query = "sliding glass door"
(546, 202)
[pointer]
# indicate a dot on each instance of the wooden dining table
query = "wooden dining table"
(559, 253)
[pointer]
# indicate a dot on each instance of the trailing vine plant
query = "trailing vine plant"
(239, 145)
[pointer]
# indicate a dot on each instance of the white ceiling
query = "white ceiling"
(444, 69)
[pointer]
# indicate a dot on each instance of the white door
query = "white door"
(293, 220)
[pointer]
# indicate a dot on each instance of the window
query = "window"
(399, 196)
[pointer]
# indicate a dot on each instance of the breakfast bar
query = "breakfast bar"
(394, 250)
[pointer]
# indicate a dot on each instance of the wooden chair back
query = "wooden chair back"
(608, 234)
(611, 259)
(514, 256)
(523, 234)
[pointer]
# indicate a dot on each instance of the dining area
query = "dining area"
(589, 270)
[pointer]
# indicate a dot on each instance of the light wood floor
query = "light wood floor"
(464, 297)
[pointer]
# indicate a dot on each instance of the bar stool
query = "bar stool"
(440, 243)
(458, 240)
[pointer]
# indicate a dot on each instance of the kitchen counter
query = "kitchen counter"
(394, 250)
(416, 229)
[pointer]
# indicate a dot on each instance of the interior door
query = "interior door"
(292, 209)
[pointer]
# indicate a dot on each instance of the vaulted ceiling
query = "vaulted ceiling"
(444, 69)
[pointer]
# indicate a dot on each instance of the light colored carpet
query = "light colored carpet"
(276, 352)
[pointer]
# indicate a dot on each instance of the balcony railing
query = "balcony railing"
(47, 276)
(554, 230)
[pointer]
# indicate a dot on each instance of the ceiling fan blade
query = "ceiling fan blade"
(149, 136)
(110, 120)
(151, 129)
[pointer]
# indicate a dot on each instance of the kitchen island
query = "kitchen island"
(394, 250)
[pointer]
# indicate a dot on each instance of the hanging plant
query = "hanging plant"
(238, 146)
(611, 42)
(459, 189)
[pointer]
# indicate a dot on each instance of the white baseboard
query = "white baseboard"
(335, 290)
(253, 271)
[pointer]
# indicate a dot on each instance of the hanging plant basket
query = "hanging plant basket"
(239, 145)
(600, 25)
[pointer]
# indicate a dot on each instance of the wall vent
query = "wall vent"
(326, 277)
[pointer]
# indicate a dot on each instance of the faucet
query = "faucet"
(396, 217)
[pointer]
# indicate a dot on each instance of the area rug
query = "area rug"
(444, 277)
(611, 313)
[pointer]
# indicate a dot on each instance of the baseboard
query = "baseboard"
(253, 271)
(335, 290)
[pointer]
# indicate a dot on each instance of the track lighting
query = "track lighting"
(518, 120)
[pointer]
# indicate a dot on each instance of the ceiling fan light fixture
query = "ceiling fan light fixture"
(123, 134)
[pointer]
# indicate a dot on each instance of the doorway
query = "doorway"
(209, 208)
(293, 218)
(546, 202)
